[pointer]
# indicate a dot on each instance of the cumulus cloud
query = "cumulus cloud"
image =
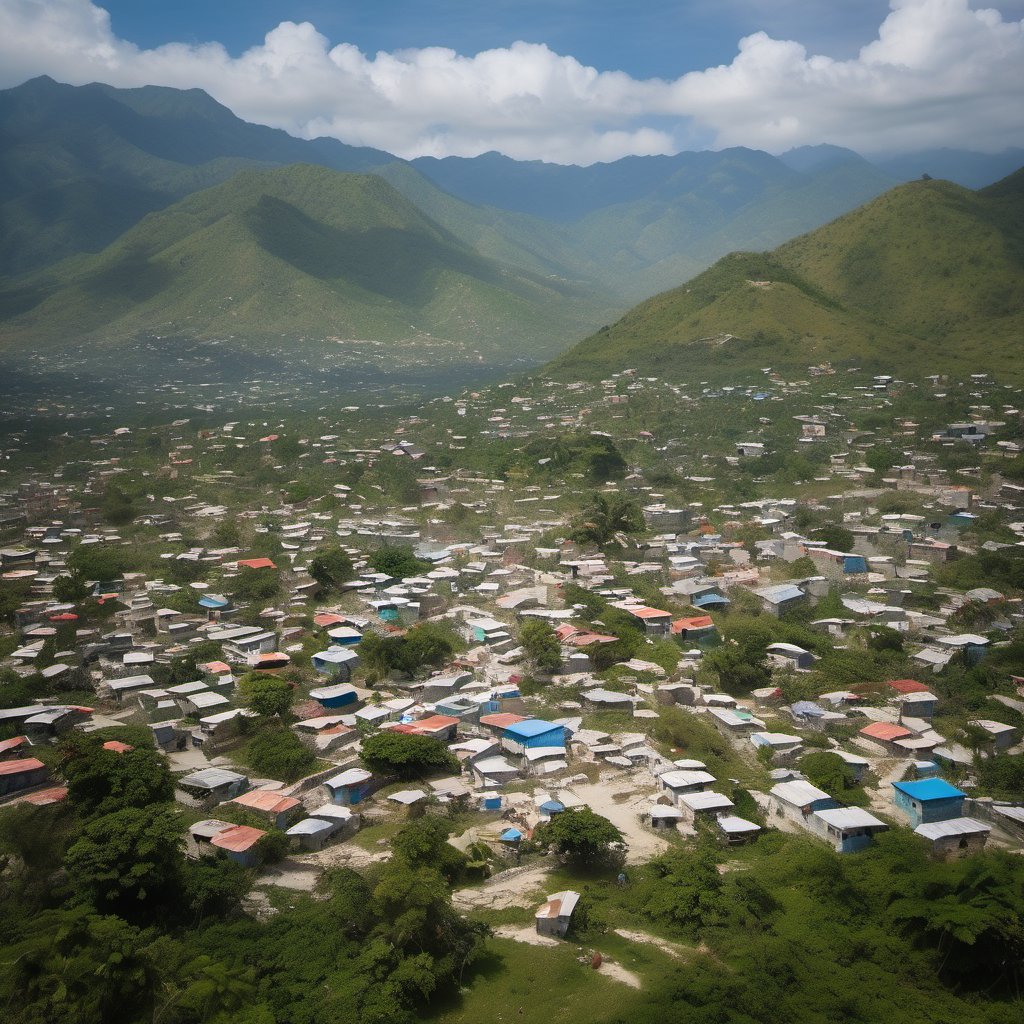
(939, 73)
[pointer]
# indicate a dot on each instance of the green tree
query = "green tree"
(604, 516)
(831, 773)
(268, 696)
(117, 507)
(331, 568)
(838, 538)
(256, 585)
(580, 835)
(129, 862)
(397, 561)
(277, 753)
(105, 781)
(423, 842)
(396, 753)
(541, 645)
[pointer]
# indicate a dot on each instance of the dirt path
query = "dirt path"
(526, 933)
(517, 887)
(673, 949)
(888, 771)
(622, 805)
(619, 973)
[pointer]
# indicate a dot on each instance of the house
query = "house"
(665, 817)
(954, 838)
(517, 737)
(781, 598)
(886, 734)
(341, 695)
(789, 656)
(412, 801)
(997, 735)
(798, 800)
(699, 629)
(555, 916)
(704, 805)
(492, 772)
(210, 786)
(267, 803)
(21, 773)
(336, 662)
(928, 800)
(312, 833)
(240, 843)
(350, 787)
(783, 746)
(735, 830)
(654, 621)
(847, 829)
(676, 783)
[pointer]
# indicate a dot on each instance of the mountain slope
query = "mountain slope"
(926, 278)
(296, 252)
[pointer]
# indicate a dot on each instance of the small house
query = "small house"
(210, 786)
(798, 800)
(847, 829)
(277, 808)
(336, 662)
(555, 916)
(240, 843)
(928, 800)
(955, 837)
(350, 787)
(21, 773)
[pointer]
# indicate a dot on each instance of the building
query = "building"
(210, 786)
(341, 695)
(555, 916)
(847, 829)
(676, 783)
(277, 808)
(928, 800)
(240, 843)
(798, 800)
(21, 773)
(517, 737)
(336, 662)
(955, 837)
(779, 599)
(350, 787)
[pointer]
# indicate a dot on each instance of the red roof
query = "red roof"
(329, 619)
(643, 612)
(64, 617)
(19, 765)
(434, 723)
(908, 686)
(238, 838)
(502, 720)
(266, 800)
(257, 563)
(12, 744)
(885, 731)
(217, 668)
(43, 797)
(697, 622)
(117, 746)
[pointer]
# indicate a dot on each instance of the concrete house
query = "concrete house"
(779, 599)
(847, 829)
(955, 837)
(336, 662)
(277, 808)
(210, 786)
(555, 916)
(350, 787)
(798, 800)
(676, 783)
(21, 773)
(928, 800)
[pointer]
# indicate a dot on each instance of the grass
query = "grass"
(536, 985)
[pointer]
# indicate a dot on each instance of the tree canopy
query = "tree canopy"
(407, 756)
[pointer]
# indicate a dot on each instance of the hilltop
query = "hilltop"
(928, 277)
(300, 252)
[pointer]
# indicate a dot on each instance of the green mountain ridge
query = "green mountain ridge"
(295, 252)
(927, 278)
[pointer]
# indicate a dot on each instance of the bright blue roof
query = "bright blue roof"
(552, 805)
(511, 835)
(703, 600)
(531, 727)
(928, 789)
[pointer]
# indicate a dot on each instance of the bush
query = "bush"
(408, 757)
(278, 753)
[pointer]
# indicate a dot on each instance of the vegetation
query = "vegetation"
(580, 836)
(267, 695)
(408, 757)
(541, 645)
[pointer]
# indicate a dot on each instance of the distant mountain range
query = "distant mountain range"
(928, 277)
(140, 211)
(298, 252)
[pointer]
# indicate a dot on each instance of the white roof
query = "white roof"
(952, 827)
(677, 779)
(798, 792)
(408, 796)
(493, 765)
(351, 777)
(705, 801)
(849, 817)
(734, 825)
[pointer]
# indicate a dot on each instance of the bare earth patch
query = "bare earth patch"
(673, 949)
(524, 933)
(518, 887)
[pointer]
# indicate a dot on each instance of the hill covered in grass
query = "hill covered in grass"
(927, 278)
(299, 252)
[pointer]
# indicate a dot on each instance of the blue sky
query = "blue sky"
(646, 38)
(569, 81)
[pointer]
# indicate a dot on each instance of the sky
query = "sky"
(569, 81)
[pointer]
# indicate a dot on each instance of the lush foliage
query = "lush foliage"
(409, 757)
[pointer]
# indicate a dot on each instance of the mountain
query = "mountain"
(80, 165)
(928, 277)
(965, 167)
(295, 254)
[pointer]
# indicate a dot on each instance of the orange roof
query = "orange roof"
(43, 797)
(12, 744)
(697, 622)
(273, 658)
(257, 563)
(238, 838)
(217, 668)
(885, 731)
(435, 722)
(117, 746)
(266, 800)
(643, 612)
(502, 720)
(19, 765)
(908, 686)
(329, 619)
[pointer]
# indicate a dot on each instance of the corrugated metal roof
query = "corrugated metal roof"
(952, 827)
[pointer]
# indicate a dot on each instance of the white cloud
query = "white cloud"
(939, 73)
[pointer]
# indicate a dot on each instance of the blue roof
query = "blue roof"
(708, 599)
(806, 707)
(929, 789)
(531, 727)
(552, 806)
(511, 835)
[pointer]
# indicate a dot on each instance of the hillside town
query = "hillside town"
(567, 636)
